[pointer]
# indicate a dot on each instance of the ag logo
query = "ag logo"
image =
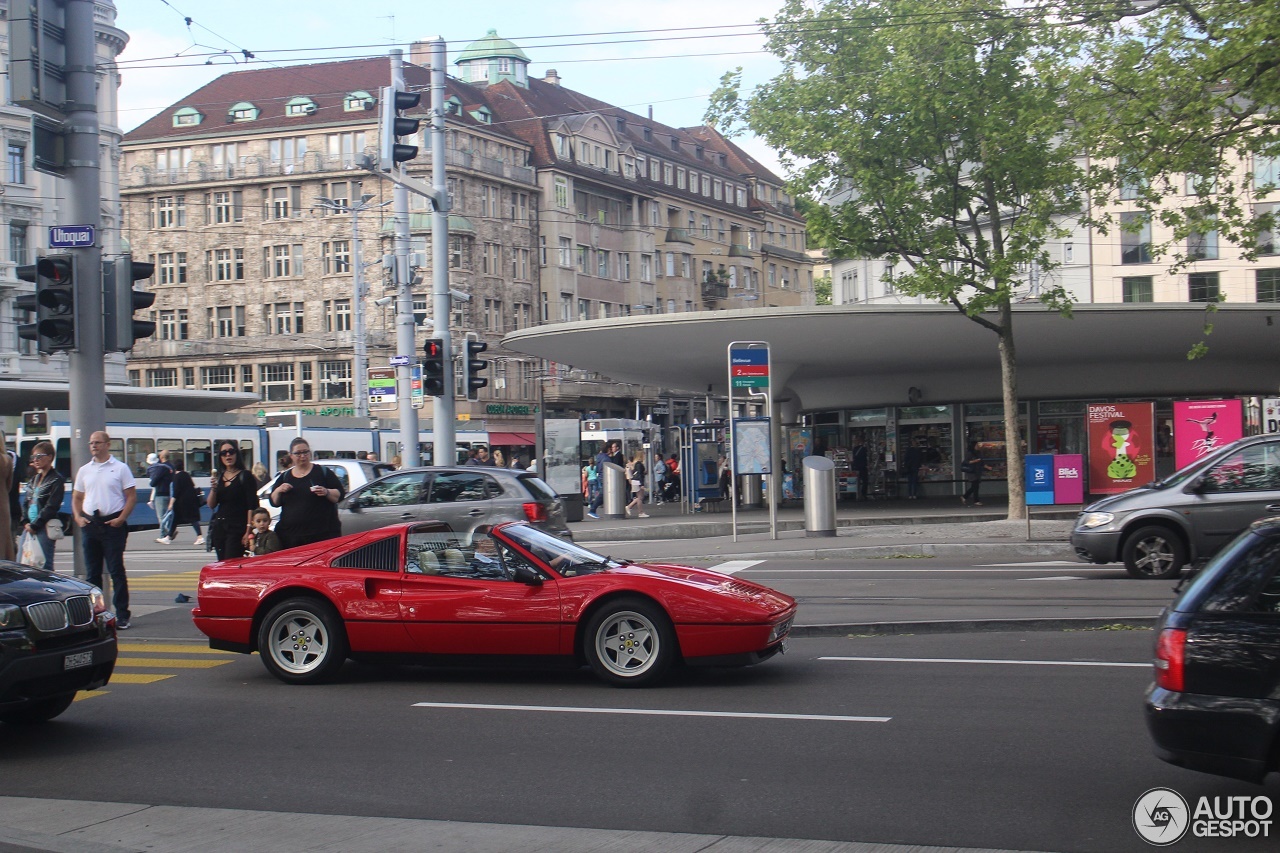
(1161, 816)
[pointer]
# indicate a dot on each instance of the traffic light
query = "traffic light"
(120, 301)
(54, 303)
(435, 376)
(392, 125)
(472, 364)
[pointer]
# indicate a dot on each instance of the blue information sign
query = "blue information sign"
(71, 236)
(1039, 471)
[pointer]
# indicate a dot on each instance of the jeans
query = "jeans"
(162, 505)
(104, 547)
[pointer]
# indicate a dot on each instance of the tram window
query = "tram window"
(322, 454)
(199, 457)
(174, 446)
(392, 451)
(246, 453)
(63, 462)
(117, 448)
(24, 455)
(136, 452)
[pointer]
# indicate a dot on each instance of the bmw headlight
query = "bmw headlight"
(99, 600)
(11, 617)
(1090, 520)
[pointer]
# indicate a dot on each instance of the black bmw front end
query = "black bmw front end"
(56, 638)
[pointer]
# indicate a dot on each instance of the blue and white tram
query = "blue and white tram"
(632, 436)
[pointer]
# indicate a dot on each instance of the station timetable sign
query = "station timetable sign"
(749, 368)
(382, 388)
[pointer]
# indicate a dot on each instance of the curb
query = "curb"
(972, 626)
(922, 551)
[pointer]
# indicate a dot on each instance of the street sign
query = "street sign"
(398, 360)
(382, 388)
(749, 368)
(71, 236)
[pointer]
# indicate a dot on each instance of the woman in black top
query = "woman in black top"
(45, 491)
(185, 503)
(234, 493)
(308, 496)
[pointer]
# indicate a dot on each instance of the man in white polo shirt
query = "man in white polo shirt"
(101, 500)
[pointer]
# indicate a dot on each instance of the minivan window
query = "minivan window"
(398, 490)
(1251, 469)
(1237, 591)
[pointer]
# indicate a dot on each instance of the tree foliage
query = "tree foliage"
(931, 131)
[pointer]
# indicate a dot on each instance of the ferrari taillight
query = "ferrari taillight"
(535, 511)
(1170, 659)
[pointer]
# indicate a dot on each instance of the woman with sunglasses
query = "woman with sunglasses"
(308, 496)
(233, 496)
(44, 496)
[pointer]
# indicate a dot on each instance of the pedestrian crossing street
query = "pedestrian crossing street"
(147, 663)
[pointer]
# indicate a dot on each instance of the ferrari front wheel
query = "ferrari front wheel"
(630, 643)
(302, 641)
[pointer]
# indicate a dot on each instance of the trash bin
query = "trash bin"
(613, 479)
(819, 496)
(572, 507)
(751, 490)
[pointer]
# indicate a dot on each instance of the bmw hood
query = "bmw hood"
(20, 584)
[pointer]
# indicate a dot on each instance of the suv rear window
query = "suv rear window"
(537, 488)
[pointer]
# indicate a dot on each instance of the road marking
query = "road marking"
(734, 566)
(176, 663)
(175, 648)
(136, 678)
(1041, 563)
(1055, 578)
(982, 660)
(652, 712)
(82, 695)
(918, 569)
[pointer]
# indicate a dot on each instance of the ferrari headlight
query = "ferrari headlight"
(780, 630)
(11, 617)
(1090, 520)
(99, 600)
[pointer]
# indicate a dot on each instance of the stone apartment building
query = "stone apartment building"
(564, 208)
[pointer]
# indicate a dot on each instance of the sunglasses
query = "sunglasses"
(226, 453)
(39, 455)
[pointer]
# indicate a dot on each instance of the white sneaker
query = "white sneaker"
(199, 541)
(165, 540)
(643, 515)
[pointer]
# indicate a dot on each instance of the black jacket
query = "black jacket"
(186, 499)
(48, 498)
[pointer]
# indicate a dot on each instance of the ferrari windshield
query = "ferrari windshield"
(565, 557)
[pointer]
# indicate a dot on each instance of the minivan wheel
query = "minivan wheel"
(1154, 553)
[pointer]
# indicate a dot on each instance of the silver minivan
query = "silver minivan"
(464, 497)
(1157, 529)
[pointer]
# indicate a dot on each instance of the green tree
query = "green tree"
(1178, 104)
(931, 132)
(822, 290)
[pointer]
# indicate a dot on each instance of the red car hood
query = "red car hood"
(710, 581)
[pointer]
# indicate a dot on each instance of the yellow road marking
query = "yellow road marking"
(175, 648)
(89, 694)
(137, 678)
(176, 663)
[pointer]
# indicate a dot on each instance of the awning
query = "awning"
(506, 439)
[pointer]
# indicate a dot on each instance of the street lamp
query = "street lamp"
(359, 346)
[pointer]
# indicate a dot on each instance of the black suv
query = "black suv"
(56, 637)
(1215, 704)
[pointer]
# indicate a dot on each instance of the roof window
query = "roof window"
(357, 102)
(243, 111)
(300, 106)
(187, 117)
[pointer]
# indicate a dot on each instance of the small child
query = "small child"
(265, 540)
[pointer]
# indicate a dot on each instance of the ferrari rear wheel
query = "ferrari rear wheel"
(630, 643)
(302, 641)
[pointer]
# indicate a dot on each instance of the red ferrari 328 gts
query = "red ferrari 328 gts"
(420, 593)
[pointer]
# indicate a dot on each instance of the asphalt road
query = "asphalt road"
(1029, 741)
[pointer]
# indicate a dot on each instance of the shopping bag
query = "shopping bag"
(29, 551)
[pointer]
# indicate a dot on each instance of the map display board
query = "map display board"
(751, 453)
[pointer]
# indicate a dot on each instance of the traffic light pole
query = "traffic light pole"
(87, 374)
(404, 301)
(445, 411)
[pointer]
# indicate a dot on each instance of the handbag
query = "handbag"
(53, 529)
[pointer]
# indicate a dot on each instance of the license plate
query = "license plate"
(77, 660)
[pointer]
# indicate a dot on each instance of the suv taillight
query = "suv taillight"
(535, 511)
(1171, 659)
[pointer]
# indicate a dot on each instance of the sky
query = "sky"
(668, 54)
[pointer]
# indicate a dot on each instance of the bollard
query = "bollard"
(819, 496)
(613, 479)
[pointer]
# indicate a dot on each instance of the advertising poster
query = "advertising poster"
(562, 442)
(1121, 446)
(1202, 426)
(1271, 415)
(1068, 478)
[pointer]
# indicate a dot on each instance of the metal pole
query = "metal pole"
(445, 411)
(86, 370)
(405, 344)
(360, 350)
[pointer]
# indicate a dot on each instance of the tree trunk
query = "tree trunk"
(1012, 426)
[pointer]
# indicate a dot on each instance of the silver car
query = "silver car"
(352, 473)
(464, 497)
(1188, 516)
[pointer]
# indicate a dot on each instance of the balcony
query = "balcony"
(246, 168)
(678, 235)
(738, 250)
(488, 165)
(714, 290)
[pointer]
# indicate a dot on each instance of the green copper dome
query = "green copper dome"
(489, 47)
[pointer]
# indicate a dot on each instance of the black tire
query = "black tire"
(38, 711)
(630, 642)
(302, 641)
(1154, 553)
